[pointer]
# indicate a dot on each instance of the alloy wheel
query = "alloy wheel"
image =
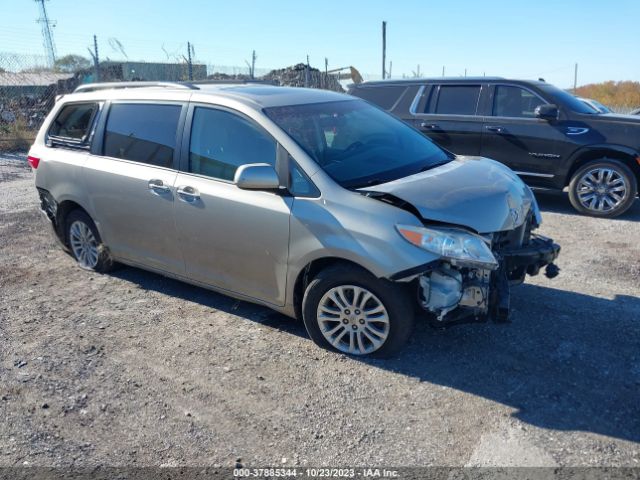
(83, 244)
(602, 189)
(353, 319)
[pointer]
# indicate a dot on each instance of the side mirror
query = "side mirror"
(548, 111)
(257, 176)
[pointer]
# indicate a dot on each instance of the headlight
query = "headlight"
(461, 248)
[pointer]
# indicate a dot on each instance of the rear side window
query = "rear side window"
(142, 132)
(515, 102)
(385, 97)
(458, 99)
(73, 123)
(222, 141)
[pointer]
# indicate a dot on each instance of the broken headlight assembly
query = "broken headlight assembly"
(460, 248)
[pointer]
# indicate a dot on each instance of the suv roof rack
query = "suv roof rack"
(93, 87)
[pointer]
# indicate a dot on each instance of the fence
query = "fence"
(28, 88)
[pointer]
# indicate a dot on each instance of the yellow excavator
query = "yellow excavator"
(347, 73)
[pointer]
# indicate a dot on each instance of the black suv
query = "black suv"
(545, 134)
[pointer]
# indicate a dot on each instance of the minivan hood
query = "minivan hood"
(475, 192)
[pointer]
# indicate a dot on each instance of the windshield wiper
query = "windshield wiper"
(368, 183)
(434, 165)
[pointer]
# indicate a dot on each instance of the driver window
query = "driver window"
(515, 102)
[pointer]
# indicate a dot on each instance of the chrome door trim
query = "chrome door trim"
(533, 174)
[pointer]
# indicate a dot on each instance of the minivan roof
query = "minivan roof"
(256, 95)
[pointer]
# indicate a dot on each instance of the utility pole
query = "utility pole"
(390, 67)
(96, 59)
(253, 65)
(575, 79)
(465, 72)
(326, 72)
(47, 33)
(443, 70)
(384, 49)
(306, 74)
(189, 62)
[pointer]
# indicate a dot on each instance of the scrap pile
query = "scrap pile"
(302, 75)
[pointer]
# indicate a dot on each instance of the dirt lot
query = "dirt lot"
(132, 368)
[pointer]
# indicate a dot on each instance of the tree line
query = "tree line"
(613, 94)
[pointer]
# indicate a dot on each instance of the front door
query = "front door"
(514, 136)
(233, 239)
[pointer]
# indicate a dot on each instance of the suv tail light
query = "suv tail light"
(33, 161)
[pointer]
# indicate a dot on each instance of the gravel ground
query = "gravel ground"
(132, 368)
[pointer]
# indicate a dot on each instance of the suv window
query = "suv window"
(73, 122)
(222, 141)
(142, 132)
(515, 102)
(458, 99)
(385, 97)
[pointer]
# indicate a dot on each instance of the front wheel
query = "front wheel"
(603, 188)
(348, 310)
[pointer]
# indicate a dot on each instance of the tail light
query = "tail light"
(33, 161)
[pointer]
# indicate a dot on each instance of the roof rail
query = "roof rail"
(93, 87)
(239, 81)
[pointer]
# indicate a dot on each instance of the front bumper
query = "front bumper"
(530, 258)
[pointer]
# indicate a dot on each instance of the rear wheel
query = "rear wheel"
(603, 188)
(348, 310)
(85, 243)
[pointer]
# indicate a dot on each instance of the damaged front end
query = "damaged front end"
(477, 220)
(472, 280)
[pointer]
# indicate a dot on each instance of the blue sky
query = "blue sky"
(507, 38)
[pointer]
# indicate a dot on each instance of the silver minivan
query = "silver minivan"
(313, 203)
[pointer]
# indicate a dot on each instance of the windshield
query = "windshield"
(565, 99)
(601, 107)
(356, 143)
(593, 107)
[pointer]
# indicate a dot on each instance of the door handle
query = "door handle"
(496, 128)
(429, 126)
(158, 186)
(188, 194)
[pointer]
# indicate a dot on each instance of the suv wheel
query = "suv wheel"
(85, 244)
(348, 310)
(603, 188)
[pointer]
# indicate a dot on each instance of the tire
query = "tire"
(85, 244)
(603, 188)
(354, 331)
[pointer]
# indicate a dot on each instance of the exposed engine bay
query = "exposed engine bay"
(447, 288)
(459, 294)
